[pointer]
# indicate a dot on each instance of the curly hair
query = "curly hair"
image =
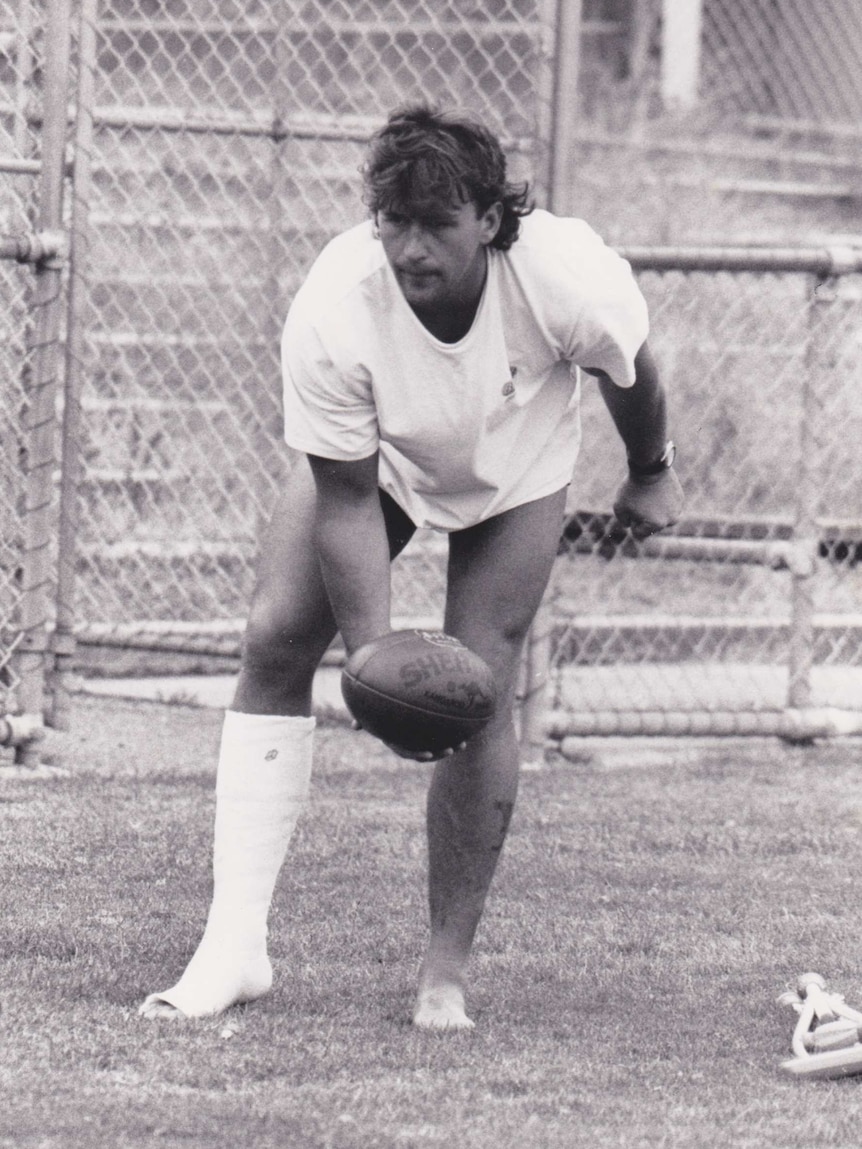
(425, 155)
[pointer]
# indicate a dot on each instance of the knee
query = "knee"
(276, 642)
(503, 643)
(502, 649)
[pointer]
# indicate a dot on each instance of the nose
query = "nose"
(415, 248)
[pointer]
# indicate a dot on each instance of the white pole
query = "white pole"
(564, 103)
(680, 55)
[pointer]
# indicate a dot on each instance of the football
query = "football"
(420, 690)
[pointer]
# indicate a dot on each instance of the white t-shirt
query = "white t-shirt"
(469, 429)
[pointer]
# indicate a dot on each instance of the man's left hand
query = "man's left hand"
(649, 503)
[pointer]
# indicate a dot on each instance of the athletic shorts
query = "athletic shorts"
(399, 526)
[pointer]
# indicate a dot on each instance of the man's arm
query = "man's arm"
(353, 549)
(645, 503)
(639, 412)
(350, 535)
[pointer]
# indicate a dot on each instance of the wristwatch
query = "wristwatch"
(662, 463)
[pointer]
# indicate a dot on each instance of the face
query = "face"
(438, 252)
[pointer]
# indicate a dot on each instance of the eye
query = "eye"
(441, 223)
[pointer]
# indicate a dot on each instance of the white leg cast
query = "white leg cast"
(262, 785)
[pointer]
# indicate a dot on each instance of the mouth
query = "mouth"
(416, 275)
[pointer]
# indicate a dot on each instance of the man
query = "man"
(430, 379)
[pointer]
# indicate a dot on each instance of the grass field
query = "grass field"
(653, 901)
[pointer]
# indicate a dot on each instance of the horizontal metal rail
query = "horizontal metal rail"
(252, 27)
(757, 542)
(802, 725)
(348, 129)
(37, 247)
(600, 623)
(718, 526)
(344, 129)
(222, 636)
(785, 127)
(823, 261)
(410, 26)
(14, 166)
(264, 124)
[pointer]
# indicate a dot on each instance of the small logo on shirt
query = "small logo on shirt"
(508, 388)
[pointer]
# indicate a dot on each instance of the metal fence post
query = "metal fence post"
(564, 104)
(563, 22)
(42, 383)
(70, 461)
(805, 533)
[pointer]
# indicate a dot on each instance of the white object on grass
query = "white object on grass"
(826, 1039)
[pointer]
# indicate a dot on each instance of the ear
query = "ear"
(491, 219)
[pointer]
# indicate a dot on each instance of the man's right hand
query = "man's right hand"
(416, 755)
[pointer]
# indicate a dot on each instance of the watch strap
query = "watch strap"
(662, 463)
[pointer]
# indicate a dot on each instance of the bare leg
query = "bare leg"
(498, 572)
(264, 764)
(470, 804)
(290, 624)
(265, 759)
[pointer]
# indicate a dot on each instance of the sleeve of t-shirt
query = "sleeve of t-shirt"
(329, 408)
(612, 321)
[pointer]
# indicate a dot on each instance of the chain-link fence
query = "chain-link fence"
(13, 291)
(784, 59)
(215, 150)
(34, 60)
(225, 152)
(745, 115)
(752, 606)
(767, 60)
(16, 198)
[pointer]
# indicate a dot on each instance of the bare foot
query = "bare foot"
(441, 1007)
